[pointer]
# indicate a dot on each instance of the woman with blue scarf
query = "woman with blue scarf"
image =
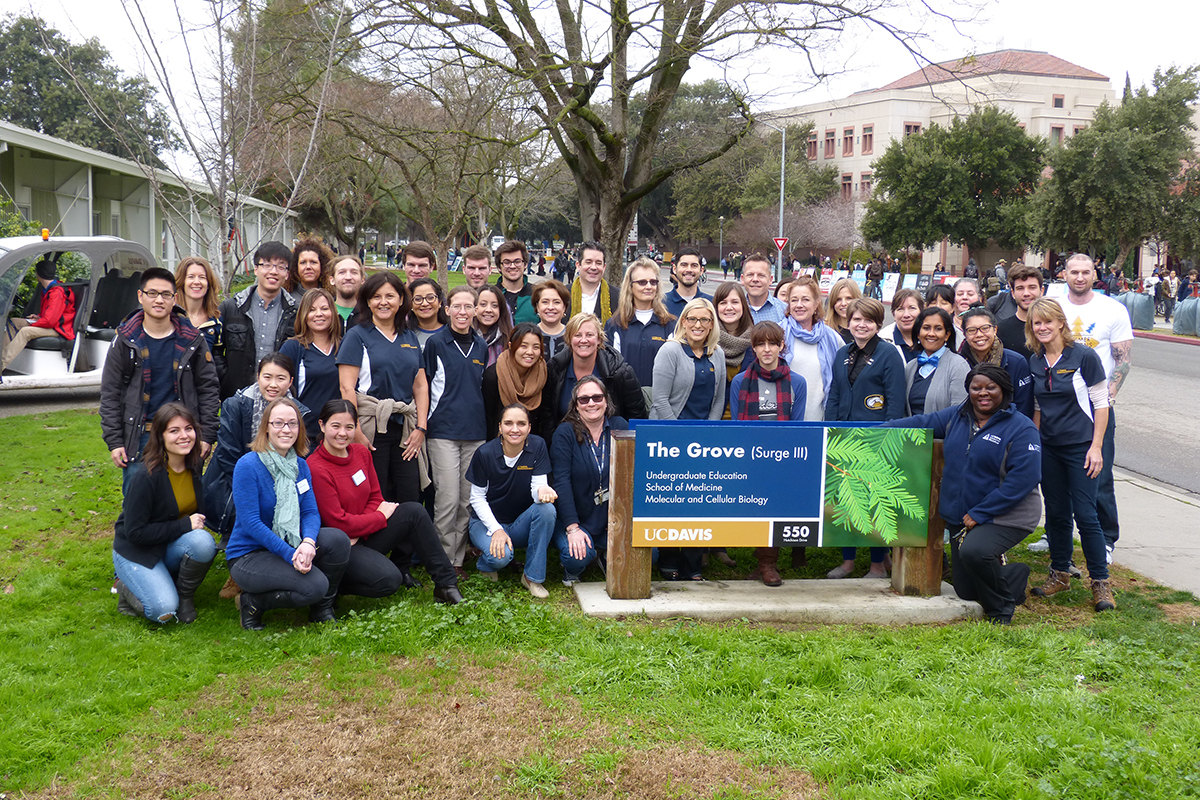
(809, 345)
(278, 552)
(935, 379)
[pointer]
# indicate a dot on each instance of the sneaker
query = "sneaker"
(570, 580)
(1108, 553)
(1057, 582)
(1102, 596)
(1074, 571)
(839, 572)
(535, 589)
(1042, 545)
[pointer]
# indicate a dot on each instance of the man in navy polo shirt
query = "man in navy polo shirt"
(687, 271)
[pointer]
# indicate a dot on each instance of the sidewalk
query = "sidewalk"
(1160, 531)
(1162, 332)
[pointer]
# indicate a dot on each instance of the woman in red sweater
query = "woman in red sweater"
(347, 490)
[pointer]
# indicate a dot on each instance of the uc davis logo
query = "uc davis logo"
(873, 402)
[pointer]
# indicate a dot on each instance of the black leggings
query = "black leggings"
(399, 480)
(262, 571)
(978, 574)
(371, 573)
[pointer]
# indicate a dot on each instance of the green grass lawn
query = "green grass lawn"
(1062, 704)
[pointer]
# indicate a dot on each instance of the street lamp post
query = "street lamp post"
(721, 246)
(782, 166)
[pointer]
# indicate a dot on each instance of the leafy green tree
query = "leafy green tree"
(1112, 182)
(1182, 229)
(73, 91)
(969, 183)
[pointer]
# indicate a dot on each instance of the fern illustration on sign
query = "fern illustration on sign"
(868, 491)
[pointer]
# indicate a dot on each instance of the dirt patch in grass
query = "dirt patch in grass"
(430, 730)
(1184, 613)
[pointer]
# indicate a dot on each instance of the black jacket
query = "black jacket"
(122, 389)
(619, 378)
(149, 518)
(237, 357)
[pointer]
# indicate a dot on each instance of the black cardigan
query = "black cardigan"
(150, 519)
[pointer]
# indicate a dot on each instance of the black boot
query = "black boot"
(322, 610)
(127, 602)
(252, 607)
(448, 595)
(407, 580)
(191, 575)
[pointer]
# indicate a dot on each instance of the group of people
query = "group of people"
(444, 427)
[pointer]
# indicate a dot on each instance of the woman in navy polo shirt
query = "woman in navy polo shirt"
(1071, 410)
(641, 323)
(512, 504)
(380, 372)
(314, 352)
(455, 359)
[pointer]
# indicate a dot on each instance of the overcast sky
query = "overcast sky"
(1102, 35)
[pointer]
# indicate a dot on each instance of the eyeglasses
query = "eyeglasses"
(461, 307)
(644, 282)
(588, 399)
(273, 267)
(512, 263)
(425, 300)
(980, 329)
(153, 295)
(279, 424)
(704, 321)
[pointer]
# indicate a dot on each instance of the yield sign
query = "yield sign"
(780, 243)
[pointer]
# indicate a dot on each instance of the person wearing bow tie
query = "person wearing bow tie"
(935, 378)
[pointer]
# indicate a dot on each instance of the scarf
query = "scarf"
(995, 354)
(827, 342)
(284, 471)
(260, 405)
(734, 347)
(781, 376)
(927, 364)
(516, 387)
(603, 304)
(857, 358)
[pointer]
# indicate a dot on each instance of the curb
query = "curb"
(1166, 337)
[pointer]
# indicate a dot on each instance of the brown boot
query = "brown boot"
(1057, 582)
(768, 570)
(1102, 596)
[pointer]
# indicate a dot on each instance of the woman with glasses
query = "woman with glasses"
(455, 359)
(279, 553)
(588, 354)
(981, 345)
(314, 352)
(689, 383)
(428, 315)
(641, 324)
(580, 452)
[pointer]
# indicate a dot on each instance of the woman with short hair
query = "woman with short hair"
(641, 323)
(551, 300)
(934, 379)
(314, 352)
(196, 282)
(279, 554)
(349, 499)
(1071, 404)
(989, 492)
(161, 551)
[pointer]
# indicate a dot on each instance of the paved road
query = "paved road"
(37, 401)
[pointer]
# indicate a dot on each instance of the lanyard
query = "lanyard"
(600, 456)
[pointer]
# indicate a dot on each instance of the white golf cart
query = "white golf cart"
(101, 302)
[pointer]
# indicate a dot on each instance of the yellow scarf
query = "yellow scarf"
(604, 306)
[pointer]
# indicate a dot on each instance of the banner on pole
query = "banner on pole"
(764, 484)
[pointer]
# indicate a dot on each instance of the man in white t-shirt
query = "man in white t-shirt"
(1103, 325)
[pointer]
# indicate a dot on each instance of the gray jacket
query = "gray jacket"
(674, 374)
(946, 385)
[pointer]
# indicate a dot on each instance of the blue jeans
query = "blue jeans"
(532, 530)
(154, 586)
(1069, 492)
(1106, 492)
(574, 567)
(878, 554)
(131, 459)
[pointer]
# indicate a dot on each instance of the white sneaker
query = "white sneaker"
(1042, 545)
(569, 581)
(1108, 552)
(535, 589)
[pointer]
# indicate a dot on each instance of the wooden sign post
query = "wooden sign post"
(918, 570)
(628, 575)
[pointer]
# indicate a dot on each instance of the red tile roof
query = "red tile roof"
(1021, 62)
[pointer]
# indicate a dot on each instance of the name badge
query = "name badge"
(600, 497)
(359, 477)
(302, 485)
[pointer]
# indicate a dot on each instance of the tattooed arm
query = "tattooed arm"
(1121, 355)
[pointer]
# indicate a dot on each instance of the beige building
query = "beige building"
(1050, 97)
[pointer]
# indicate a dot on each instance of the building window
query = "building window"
(911, 127)
(830, 137)
(848, 142)
(1059, 100)
(1056, 135)
(847, 185)
(1078, 128)
(812, 146)
(868, 139)
(864, 184)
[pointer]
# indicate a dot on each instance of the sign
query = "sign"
(631, 239)
(779, 484)
(780, 242)
(826, 282)
(924, 281)
(860, 277)
(891, 283)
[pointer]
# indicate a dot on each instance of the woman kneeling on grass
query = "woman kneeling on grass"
(989, 493)
(512, 504)
(279, 553)
(349, 498)
(160, 550)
